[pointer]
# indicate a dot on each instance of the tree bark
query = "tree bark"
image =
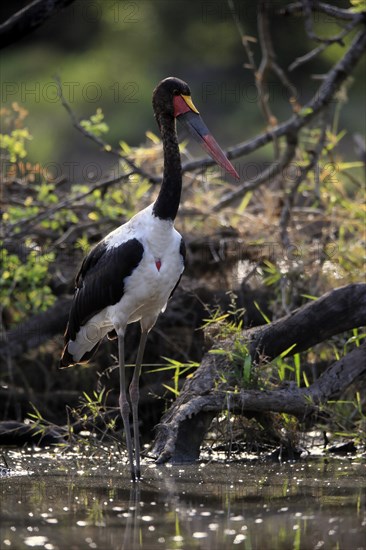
(185, 309)
(336, 311)
(183, 427)
(29, 19)
(36, 330)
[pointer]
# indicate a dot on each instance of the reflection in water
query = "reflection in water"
(80, 503)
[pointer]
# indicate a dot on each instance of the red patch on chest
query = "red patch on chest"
(158, 264)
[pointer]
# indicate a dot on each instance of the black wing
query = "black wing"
(100, 281)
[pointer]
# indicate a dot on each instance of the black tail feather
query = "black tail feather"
(67, 359)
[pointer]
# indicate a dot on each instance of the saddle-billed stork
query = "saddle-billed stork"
(131, 274)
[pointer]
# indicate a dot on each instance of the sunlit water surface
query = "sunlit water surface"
(64, 501)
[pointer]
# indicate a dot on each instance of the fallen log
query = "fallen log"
(185, 309)
(183, 427)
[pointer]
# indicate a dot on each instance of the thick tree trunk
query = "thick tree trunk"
(182, 429)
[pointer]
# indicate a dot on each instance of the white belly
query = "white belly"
(147, 291)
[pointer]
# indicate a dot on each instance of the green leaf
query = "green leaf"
(306, 111)
(267, 319)
(247, 369)
(246, 200)
(173, 390)
(95, 125)
(287, 351)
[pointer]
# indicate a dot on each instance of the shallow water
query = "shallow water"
(75, 503)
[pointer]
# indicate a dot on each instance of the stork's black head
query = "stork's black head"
(164, 94)
(172, 99)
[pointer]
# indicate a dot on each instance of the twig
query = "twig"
(269, 57)
(307, 57)
(244, 38)
(309, 22)
(105, 146)
(338, 13)
(326, 42)
(267, 174)
(72, 229)
(268, 63)
(323, 96)
(33, 220)
(308, 8)
(264, 67)
(290, 197)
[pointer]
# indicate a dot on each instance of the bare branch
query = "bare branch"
(246, 43)
(26, 223)
(267, 64)
(28, 19)
(339, 13)
(105, 146)
(290, 196)
(324, 95)
(264, 67)
(268, 174)
(307, 57)
(326, 42)
(294, 400)
(336, 311)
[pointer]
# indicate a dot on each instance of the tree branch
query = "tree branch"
(338, 13)
(36, 330)
(326, 42)
(105, 146)
(205, 394)
(192, 419)
(268, 174)
(336, 311)
(268, 63)
(26, 223)
(29, 19)
(324, 95)
(290, 196)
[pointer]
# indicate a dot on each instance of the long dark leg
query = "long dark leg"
(123, 403)
(134, 396)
